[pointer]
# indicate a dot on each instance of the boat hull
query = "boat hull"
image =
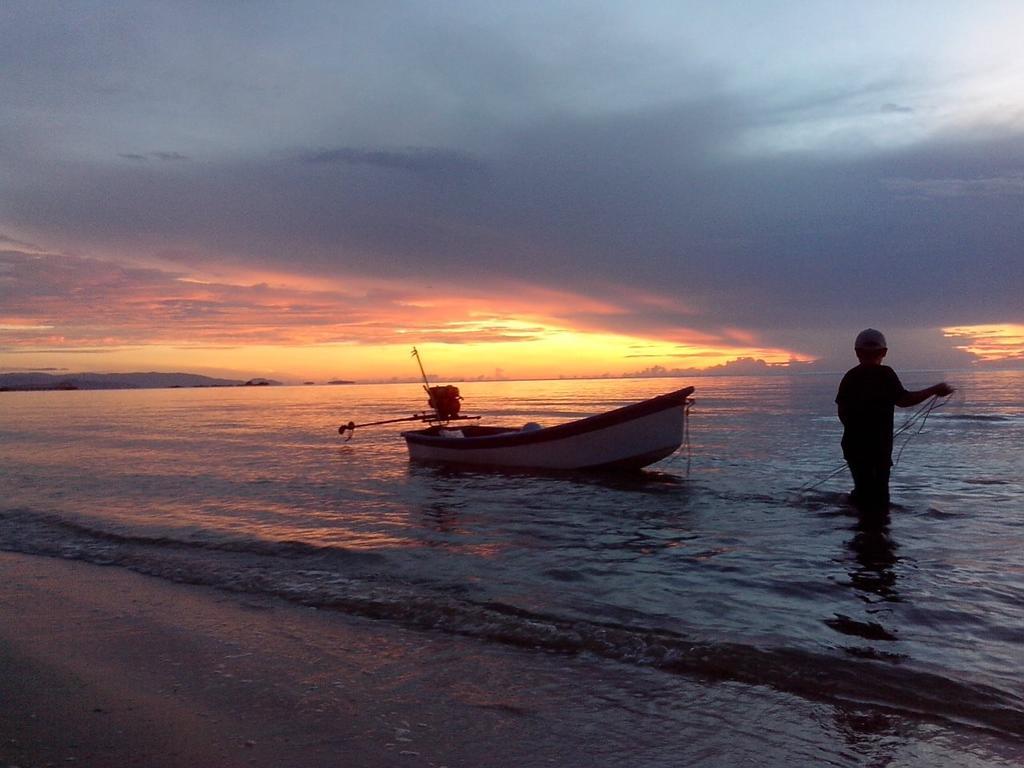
(627, 438)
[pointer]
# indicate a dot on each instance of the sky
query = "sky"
(307, 190)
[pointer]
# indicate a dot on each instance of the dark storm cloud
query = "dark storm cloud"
(926, 235)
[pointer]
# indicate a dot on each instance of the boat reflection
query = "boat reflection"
(643, 481)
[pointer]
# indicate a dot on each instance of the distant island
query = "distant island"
(340, 381)
(21, 382)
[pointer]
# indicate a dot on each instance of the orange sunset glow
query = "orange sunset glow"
(146, 318)
(990, 342)
(103, 315)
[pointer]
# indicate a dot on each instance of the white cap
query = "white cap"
(870, 339)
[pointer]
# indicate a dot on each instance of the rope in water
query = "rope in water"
(922, 413)
(687, 447)
(811, 486)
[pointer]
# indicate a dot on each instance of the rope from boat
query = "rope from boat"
(687, 446)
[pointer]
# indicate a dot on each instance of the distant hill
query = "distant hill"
(151, 380)
(340, 381)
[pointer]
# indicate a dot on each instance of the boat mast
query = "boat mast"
(423, 373)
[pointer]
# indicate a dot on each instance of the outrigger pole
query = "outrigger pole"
(351, 426)
(424, 417)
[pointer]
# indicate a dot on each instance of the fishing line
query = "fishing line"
(808, 487)
(932, 404)
(921, 413)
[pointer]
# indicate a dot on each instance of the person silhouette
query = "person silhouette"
(868, 395)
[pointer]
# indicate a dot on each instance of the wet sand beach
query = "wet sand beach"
(104, 667)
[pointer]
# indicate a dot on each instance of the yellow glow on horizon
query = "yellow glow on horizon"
(542, 353)
(989, 343)
(241, 324)
(560, 352)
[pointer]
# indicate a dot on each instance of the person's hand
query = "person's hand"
(943, 389)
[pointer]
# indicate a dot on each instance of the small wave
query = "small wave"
(941, 514)
(310, 576)
(874, 654)
(565, 574)
(869, 630)
(973, 417)
(814, 500)
(28, 529)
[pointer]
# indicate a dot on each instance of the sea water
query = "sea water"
(729, 579)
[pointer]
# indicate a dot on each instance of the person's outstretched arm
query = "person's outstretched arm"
(919, 396)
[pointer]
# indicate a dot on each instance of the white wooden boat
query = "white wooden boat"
(626, 438)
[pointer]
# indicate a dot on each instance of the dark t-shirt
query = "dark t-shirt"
(867, 397)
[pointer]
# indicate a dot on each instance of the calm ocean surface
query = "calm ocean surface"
(756, 621)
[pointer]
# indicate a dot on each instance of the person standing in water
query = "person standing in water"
(868, 395)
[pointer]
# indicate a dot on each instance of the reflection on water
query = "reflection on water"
(873, 578)
(255, 487)
(875, 552)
